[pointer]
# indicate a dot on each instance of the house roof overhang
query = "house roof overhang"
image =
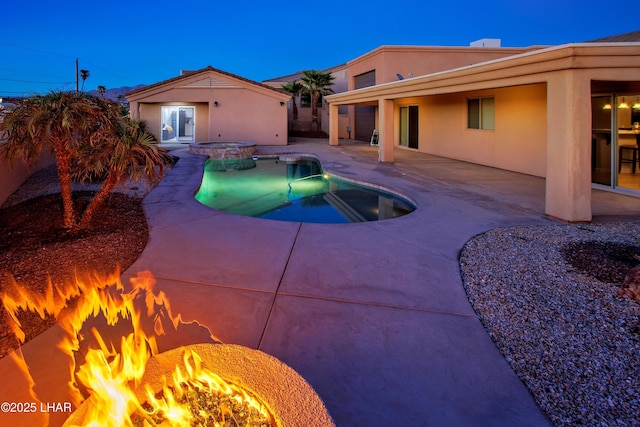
(522, 69)
(206, 78)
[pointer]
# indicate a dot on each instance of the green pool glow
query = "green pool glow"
(293, 190)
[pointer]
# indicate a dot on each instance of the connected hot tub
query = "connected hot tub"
(224, 150)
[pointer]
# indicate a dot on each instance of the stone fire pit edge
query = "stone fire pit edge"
(290, 399)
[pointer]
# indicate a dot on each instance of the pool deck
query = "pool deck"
(373, 315)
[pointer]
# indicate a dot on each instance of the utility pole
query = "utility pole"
(76, 76)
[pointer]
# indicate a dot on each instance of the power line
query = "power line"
(10, 70)
(105, 70)
(36, 50)
(31, 81)
(60, 55)
(21, 92)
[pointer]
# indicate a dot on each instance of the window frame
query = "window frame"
(305, 100)
(171, 132)
(481, 112)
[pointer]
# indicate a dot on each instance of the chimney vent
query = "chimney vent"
(486, 43)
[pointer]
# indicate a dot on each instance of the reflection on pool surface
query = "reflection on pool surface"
(293, 189)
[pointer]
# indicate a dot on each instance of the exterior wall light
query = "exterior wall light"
(215, 103)
(282, 103)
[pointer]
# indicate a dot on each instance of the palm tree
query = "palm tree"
(101, 91)
(294, 88)
(129, 151)
(89, 137)
(84, 74)
(316, 83)
(60, 122)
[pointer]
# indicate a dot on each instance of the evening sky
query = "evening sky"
(125, 43)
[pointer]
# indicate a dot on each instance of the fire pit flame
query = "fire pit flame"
(198, 378)
(117, 385)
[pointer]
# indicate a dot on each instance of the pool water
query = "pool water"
(293, 189)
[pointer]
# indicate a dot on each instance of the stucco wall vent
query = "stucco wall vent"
(210, 82)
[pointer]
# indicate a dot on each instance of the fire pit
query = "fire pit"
(130, 382)
(288, 397)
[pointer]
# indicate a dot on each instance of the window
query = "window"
(178, 124)
(305, 100)
(480, 113)
(364, 80)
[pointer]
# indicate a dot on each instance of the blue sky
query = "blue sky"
(125, 43)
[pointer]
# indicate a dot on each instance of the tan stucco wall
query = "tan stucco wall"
(389, 61)
(248, 116)
(517, 143)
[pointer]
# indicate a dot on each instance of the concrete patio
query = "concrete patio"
(373, 315)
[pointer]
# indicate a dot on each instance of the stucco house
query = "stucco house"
(387, 64)
(211, 105)
(567, 113)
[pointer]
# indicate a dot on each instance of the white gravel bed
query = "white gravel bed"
(547, 295)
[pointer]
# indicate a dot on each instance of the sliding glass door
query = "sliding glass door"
(615, 157)
(178, 124)
(409, 126)
(601, 139)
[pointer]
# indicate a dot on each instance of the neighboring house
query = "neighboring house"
(303, 101)
(210, 105)
(565, 113)
(5, 107)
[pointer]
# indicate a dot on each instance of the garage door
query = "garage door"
(365, 116)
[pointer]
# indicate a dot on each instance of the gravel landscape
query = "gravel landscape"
(549, 298)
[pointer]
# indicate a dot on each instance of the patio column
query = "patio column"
(385, 132)
(568, 175)
(333, 124)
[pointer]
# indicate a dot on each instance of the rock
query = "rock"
(631, 285)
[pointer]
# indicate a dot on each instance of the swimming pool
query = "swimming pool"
(293, 188)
